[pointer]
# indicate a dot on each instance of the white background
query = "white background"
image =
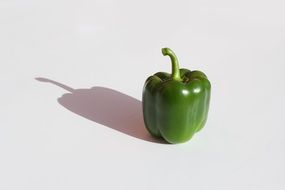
(94, 138)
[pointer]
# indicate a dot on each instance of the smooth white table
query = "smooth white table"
(72, 73)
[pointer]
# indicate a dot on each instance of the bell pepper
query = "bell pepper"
(175, 106)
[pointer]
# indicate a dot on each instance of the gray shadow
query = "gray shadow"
(108, 107)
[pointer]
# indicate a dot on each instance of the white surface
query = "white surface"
(116, 45)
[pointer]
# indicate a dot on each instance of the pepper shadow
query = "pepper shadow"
(108, 107)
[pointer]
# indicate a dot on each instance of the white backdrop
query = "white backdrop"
(57, 132)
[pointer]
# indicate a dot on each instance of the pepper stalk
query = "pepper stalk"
(174, 62)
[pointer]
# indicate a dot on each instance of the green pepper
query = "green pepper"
(175, 106)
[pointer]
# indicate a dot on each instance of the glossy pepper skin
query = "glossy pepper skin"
(175, 106)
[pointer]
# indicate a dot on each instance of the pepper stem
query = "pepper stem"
(174, 62)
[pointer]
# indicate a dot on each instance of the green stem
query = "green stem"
(174, 62)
